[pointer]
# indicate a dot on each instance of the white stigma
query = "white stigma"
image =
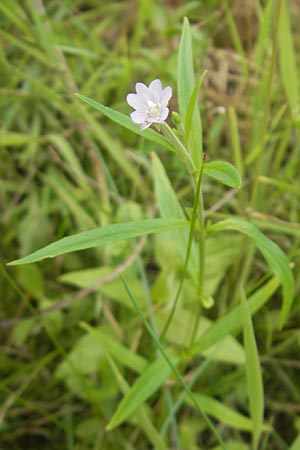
(154, 109)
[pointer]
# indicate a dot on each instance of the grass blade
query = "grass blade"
(225, 414)
(274, 256)
(142, 416)
(151, 379)
(232, 321)
(287, 58)
(253, 373)
(171, 363)
(120, 353)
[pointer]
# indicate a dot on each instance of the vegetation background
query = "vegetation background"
(65, 169)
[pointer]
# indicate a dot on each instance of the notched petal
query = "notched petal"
(138, 117)
(155, 85)
(142, 91)
(166, 95)
(164, 114)
(136, 102)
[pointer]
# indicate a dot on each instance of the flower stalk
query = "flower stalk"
(180, 149)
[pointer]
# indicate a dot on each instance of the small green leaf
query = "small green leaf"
(192, 105)
(143, 416)
(224, 172)
(101, 236)
(253, 373)
(150, 380)
(120, 353)
(126, 122)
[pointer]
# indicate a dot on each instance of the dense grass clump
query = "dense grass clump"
(176, 325)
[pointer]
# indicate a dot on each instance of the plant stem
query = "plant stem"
(196, 204)
(201, 254)
(179, 147)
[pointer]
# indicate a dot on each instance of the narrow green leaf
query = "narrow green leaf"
(192, 105)
(235, 140)
(126, 122)
(17, 16)
(224, 172)
(263, 37)
(120, 353)
(224, 414)
(142, 415)
(253, 373)
(236, 39)
(232, 321)
(44, 31)
(101, 236)
(287, 58)
(69, 197)
(274, 256)
(11, 139)
(28, 49)
(150, 380)
(185, 87)
(67, 152)
(296, 444)
(171, 362)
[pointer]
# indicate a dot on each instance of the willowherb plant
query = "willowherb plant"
(190, 237)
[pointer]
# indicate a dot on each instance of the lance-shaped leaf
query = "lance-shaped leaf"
(126, 122)
(101, 236)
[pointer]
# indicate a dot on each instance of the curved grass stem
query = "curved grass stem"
(173, 367)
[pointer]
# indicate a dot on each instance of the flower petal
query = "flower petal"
(138, 117)
(142, 91)
(155, 85)
(145, 125)
(166, 95)
(164, 114)
(136, 102)
(155, 88)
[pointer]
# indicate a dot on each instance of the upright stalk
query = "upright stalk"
(201, 254)
(197, 202)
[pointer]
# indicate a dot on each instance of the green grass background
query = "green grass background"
(65, 168)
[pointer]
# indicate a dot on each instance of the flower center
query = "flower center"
(154, 109)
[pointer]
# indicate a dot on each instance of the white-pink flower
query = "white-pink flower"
(150, 103)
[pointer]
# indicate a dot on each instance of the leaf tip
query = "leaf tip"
(12, 263)
(110, 426)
